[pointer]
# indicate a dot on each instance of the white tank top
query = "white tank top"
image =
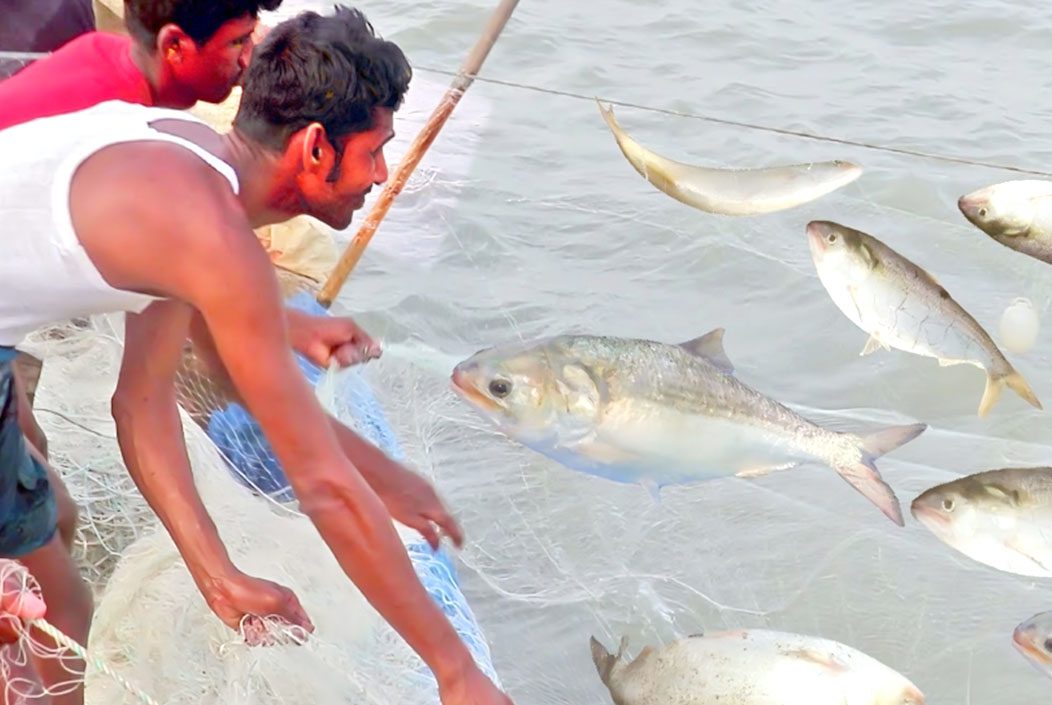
(46, 276)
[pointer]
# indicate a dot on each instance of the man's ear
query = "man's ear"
(173, 43)
(318, 154)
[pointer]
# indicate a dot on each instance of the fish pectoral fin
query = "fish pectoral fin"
(1027, 550)
(762, 470)
(710, 347)
(826, 660)
(872, 345)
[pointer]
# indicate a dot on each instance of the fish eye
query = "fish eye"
(947, 504)
(500, 388)
(1048, 644)
(982, 212)
(831, 238)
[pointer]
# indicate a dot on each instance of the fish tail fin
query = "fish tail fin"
(608, 117)
(864, 476)
(882, 442)
(604, 660)
(996, 382)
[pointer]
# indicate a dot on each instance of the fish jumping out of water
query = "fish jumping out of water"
(1033, 639)
(733, 191)
(1001, 518)
(1017, 214)
(634, 410)
(901, 306)
(751, 667)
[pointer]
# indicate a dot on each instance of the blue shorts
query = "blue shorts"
(28, 512)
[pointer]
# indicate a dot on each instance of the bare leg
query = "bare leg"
(70, 607)
(37, 444)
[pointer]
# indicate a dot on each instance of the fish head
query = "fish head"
(533, 391)
(1005, 210)
(841, 254)
(948, 512)
(1033, 639)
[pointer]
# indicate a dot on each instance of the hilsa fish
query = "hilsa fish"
(633, 410)
(1017, 214)
(733, 191)
(1000, 518)
(751, 667)
(1033, 639)
(902, 306)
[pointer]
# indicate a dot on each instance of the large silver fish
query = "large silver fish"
(659, 414)
(733, 191)
(902, 306)
(1017, 214)
(752, 667)
(1033, 639)
(1001, 518)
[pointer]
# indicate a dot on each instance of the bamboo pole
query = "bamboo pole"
(464, 78)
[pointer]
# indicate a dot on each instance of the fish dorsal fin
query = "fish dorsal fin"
(710, 347)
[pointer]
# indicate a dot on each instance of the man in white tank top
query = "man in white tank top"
(127, 208)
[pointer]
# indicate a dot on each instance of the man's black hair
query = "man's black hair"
(333, 70)
(200, 19)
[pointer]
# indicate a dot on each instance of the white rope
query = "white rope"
(65, 641)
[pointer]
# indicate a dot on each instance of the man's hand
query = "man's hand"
(243, 600)
(412, 501)
(322, 339)
(18, 603)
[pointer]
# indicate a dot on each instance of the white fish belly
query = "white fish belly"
(727, 669)
(647, 441)
(905, 320)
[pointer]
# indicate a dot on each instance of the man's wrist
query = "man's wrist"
(452, 660)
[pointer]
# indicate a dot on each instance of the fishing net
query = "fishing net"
(11, 62)
(553, 555)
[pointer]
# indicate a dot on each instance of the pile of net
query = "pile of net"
(151, 626)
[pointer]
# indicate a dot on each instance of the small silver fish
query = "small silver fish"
(1001, 518)
(751, 667)
(1017, 214)
(902, 306)
(643, 411)
(1033, 639)
(733, 191)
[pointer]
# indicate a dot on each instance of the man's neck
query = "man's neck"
(262, 197)
(164, 92)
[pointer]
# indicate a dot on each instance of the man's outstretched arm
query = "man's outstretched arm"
(409, 498)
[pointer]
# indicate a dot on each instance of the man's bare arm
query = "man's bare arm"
(409, 498)
(150, 435)
(203, 251)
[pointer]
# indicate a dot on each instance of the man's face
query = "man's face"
(361, 167)
(211, 70)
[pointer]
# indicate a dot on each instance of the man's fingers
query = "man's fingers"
(448, 524)
(430, 534)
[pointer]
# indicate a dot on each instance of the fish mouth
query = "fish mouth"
(972, 206)
(914, 696)
(926, 515)
(461, 383)
(1027, 648)
(817, 230)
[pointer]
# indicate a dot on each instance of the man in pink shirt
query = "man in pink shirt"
(178, 53)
